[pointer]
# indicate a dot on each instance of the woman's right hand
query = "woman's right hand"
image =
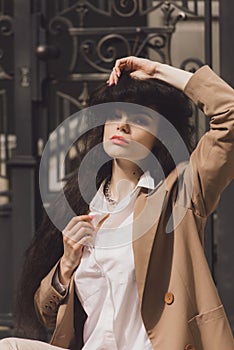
(76, 235)
(142, 68)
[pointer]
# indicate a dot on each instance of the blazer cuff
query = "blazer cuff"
(61, 288)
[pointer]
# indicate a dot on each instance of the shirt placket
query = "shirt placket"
(108, 310)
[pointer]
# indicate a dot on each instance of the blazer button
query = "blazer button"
(169, 298)
(189, 347)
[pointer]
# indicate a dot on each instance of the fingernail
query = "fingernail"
(116, 81)
(91, 217)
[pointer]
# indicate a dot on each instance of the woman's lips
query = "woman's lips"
(119, 140)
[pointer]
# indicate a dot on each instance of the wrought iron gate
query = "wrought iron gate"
(52, 54)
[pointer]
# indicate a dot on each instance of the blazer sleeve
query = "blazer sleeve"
(213, 159)
(47, 300)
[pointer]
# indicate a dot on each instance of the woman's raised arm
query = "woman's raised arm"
(142, 68)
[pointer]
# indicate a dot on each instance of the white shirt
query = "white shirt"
(105, 280)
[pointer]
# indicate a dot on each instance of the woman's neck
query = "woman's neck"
(125, 176)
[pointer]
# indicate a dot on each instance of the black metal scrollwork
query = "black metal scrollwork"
(103, 52)
(6, 25)
(158, 42)
(6, 30)
(59, 26)
(188, 6)
(107, 51)
(191, 64)
(125, 8)
(100, 52)
(99, 49)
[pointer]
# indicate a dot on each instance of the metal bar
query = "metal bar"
(208, 32)
(226, 42)
(23, 164)
(120, 30)
(23, 76)
(225, 237)
(6, 290)
(1, 6)
(195, 8)
(185, 3)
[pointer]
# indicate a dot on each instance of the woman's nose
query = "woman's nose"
(123, 126)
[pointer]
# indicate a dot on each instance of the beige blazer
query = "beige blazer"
(179, 303)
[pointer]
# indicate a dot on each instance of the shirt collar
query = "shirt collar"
(146, 181)
(99, 204)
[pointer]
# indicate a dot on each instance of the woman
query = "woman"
(152, 290)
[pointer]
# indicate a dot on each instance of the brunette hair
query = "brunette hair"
(47, 245)
(156, 94)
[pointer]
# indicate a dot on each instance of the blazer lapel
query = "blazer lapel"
(147, 212)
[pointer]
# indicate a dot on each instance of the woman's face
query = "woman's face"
(129, 136)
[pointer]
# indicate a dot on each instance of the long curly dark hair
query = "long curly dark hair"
(46, 247)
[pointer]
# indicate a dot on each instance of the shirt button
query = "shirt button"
(189, 347)
(169, 298)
